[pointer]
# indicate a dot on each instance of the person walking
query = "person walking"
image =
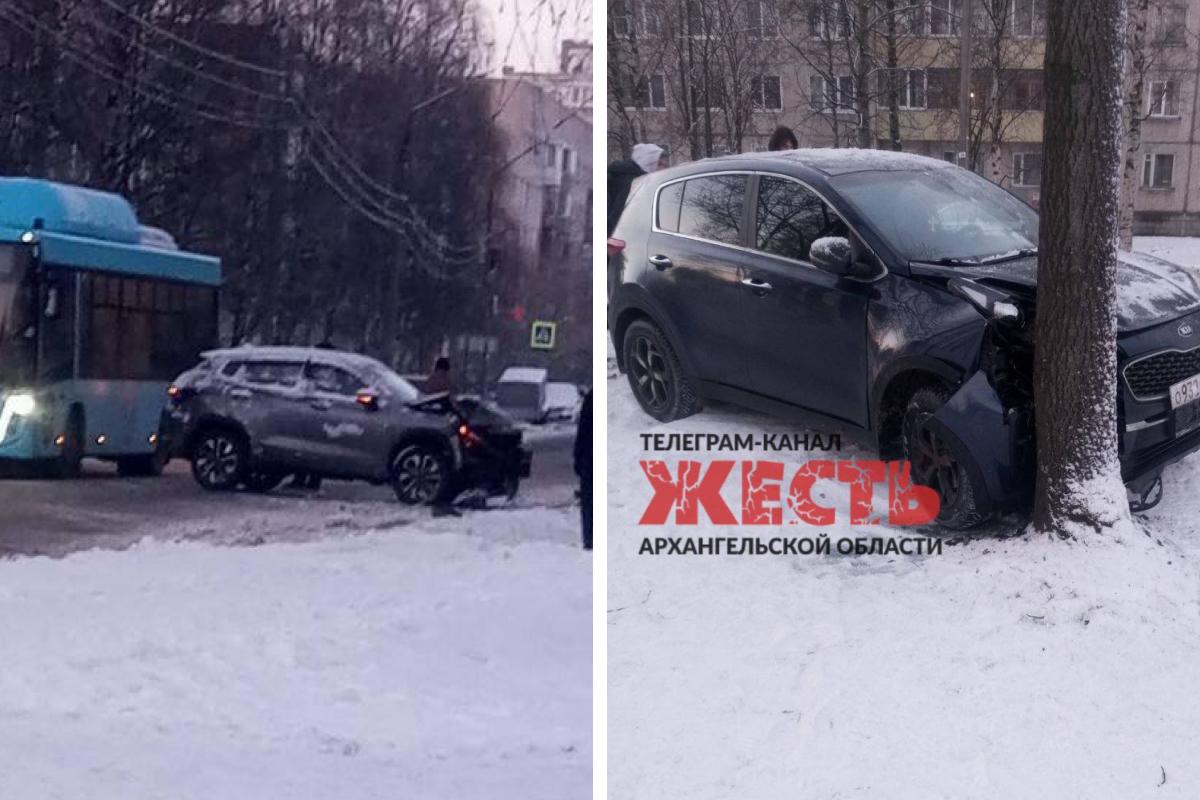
(440, 381)
(621, 175)
(783, 139)
(583, 467)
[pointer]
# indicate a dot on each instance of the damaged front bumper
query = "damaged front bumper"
(998, 444)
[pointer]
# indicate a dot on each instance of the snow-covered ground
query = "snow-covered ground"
(447, 658)
(1001, 668)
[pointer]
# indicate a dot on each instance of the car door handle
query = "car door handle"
(760, 287)
(661, 262)
(241, 394)
(321, 405)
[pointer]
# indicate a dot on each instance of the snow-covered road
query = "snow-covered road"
(52, 517)
(443, 659)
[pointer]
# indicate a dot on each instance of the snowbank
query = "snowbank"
(445, 661)
(1001, 668)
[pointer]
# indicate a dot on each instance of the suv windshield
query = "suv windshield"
(17, 317)
(950, 216)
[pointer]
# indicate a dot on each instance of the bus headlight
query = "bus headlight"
(20, 405)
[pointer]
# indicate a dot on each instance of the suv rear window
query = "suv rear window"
(712, 208)
(669, 200)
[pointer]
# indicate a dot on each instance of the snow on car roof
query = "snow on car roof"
(523, 375)
(291, 353)
(842, 160)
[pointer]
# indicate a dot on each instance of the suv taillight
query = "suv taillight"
(179, 392)
(615, 246)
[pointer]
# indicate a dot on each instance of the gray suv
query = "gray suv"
(249, 417)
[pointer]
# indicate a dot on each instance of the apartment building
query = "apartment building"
(717, 76)
(541, 238)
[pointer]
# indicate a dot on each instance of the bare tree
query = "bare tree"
(1078, 475)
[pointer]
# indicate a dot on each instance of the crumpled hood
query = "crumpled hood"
(1150, 291)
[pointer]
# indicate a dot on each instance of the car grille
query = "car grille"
(1151, 376)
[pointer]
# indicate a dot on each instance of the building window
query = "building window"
(1172, 25)
(628, 18)
(950, 156)
(620, 18)
(647, 21)
(551, 154)
(913, 85)
(1023, 90)
(1028, 18)
(1164, 99)
(836, 94)
(1158, 171)
(828, 19)
(761, 19)
(766, 93)
(943, 17)
(651, 92)
(912, 20)
(1027, 169)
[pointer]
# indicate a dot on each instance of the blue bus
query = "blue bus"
(98, 314)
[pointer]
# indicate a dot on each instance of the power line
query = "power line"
(413, 227)
(384, 217)
(189, 68)
(190, 45)
(342, 156)
(379, 220)
(112, 73)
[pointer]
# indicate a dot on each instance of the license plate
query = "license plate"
(1185, 401)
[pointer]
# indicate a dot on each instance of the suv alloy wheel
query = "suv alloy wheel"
(219, 460)
(420, 475)
(655, 375)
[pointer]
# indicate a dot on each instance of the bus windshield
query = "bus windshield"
(18, 316)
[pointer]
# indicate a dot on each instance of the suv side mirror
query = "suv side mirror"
(368, 399)
(831, 254)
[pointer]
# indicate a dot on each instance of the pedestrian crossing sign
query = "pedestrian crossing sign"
(543, 334)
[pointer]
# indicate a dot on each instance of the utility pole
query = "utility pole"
(964, 90)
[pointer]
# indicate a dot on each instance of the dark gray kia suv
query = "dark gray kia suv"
(250, 416)
(884, 293)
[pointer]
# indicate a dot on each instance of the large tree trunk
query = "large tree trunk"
(1135, 84)
(1078, 477)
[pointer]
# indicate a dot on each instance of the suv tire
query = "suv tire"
(220, 459)
(655, 375)
(420, 475)
(938, 464)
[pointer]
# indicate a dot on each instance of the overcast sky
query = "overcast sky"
(525, 34)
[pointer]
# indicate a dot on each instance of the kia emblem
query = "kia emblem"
(1185, 329)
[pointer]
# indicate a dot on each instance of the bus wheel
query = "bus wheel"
(69, 463)
(219, 460)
